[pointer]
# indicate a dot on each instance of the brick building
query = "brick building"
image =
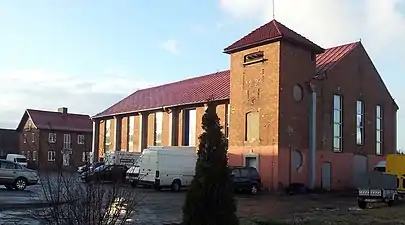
(53, 140)
(263, 102)
(8, 141)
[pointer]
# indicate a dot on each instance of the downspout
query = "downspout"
(312, 138)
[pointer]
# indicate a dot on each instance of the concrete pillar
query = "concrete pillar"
(117, 133)
(95, 140)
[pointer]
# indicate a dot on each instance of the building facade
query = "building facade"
(264, 104)
(8, 142)
(55, 140)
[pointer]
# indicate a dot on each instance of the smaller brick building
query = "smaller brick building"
(8, 141)
(53, 140)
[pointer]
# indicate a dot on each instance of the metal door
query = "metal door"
(326, 176)
(359, 168)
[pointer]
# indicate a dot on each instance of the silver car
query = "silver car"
(15, 176)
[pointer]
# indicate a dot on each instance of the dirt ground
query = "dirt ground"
(316, 209)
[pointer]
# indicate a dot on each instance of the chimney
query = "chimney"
(63, 110)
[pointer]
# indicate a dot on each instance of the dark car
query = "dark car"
(87, 167)
(246, 179)
(106, 173)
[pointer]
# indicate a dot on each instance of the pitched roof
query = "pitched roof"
(214, 86)
(270, 32)
(57, 121)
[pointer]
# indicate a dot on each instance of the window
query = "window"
(252, 127)
(227, 112)
(189, 131)
(107, 140)
(131, 123)
(25, 138)
(360, 123)
(33, 137)
(51, 156)
(34, 155)
(158, 128)
(52, 138)
(67, 141)
(379, 131)
(253, 57)
(80, 139)
(8, 165)
(337, 123)
(28, 155)
(85, 156)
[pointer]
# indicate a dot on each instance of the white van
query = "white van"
(171, 166)
(20, 159)
(380, 166)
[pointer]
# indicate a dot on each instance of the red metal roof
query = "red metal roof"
(199, 89)
(269, 32)
(331, 56)
(58, 121)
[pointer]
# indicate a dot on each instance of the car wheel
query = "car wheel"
(254, 190)
(20, 184)
(362, 204)
(176, 186)
(9, 187)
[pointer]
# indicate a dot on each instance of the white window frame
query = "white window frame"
(192, 129)
(131, 127)
(80, 139)
(52, 137)
(33, 137)
(157, 140)
(360, 122)
(34, 155)
(337, 123)
(107, 136)
(67, 141)
(85, 155)
(25, 138)
(28, 155)
(379, 131)
(51, 156)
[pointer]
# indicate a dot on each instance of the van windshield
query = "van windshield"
(21, 160)
(379, 169)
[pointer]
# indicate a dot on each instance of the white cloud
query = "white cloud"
(48, 90)
(170, 46)
(330, 22)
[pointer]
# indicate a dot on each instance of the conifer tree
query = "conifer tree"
(209, 200)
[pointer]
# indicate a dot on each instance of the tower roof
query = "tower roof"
(271, 32)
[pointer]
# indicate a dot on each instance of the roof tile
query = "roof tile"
(58, 121)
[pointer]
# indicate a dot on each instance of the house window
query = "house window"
(25, 138)
(189, 127)
(337, 123)
(51, 156)
(34, 155)
(379, 131)
(80, 139)
(253, 57)
(85, 156)
(107, 140)
(360, 123)
(28, 155)
(158, 129)
(170, 130)
(252, 126)
(227, 112)
(131, 124)
(67, 143)
(33, 137)
(52, 138)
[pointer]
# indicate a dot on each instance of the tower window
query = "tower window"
(254, 57)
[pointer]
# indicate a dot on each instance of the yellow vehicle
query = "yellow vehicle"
(395, 164)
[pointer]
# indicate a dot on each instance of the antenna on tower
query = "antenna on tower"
(274, 14)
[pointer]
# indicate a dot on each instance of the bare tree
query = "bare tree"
(69, 201)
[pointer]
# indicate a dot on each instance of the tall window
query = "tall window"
(67, 141)
(107, 135)
(131, 123)
(379, 131)
(252, 127)
(80, 139)
(52, 138)
(227, 112)
(337, 123)
(189, 127)
(158, 128)
(360, 123)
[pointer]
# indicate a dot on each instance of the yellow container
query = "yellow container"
(395, 164)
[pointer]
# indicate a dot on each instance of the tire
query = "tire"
(20, 184)
(362, 204)
(254, 190)
(392, 202)
(176, 186)
(9, 187)
(134, 184)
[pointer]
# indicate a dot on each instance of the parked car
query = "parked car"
(15, 176)
(87, 167)
(132, 175)
(246, 179)
(111, 173)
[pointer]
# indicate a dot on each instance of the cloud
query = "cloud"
(48, 90)
(170, 46)
(330, 22)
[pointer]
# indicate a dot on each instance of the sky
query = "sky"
(88, 54)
